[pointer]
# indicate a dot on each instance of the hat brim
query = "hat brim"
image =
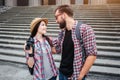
(36, 21)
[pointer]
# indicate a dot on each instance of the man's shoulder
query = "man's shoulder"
(85, 26)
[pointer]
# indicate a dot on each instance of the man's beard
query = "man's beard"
(62, 24)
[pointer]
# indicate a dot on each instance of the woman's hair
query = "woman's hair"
(65, 8)
(34, 31)
(48, 39)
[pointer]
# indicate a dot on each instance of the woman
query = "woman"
(44, 66)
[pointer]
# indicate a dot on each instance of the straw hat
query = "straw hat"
(35, 21)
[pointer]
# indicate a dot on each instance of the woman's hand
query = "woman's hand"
(27, 51)
(30, 62)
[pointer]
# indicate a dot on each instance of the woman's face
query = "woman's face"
(42, 28)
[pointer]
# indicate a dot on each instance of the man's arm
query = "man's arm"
(87, 65)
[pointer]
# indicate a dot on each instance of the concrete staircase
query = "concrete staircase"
(105, 20)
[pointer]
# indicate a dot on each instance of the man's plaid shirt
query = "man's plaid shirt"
(89, 42)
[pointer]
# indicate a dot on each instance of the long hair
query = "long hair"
(33, 33)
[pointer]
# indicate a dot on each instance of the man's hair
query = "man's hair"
(65, 9)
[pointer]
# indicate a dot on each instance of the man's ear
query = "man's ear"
(63, 16)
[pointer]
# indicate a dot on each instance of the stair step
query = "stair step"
(17, 28)
(107, 62)
(7, 51)
(109, 48)
(99, 42)
(25, 36)
(94, 69)
(57, 31)
(12, 52)
(16, 59)
(105, 70)
(57, 58)
(20, 46)
(86, 21)
(110, 54)
(55, 24)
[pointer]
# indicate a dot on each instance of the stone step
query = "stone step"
(105, 70)
(94, 69)
(99, 42)
(57, 58)
(54, 23)
(93, 23)
(20, 53)
(88, 22)
(55, 26)
(100, 48)
(23, 31)
(108, 48)
(27, 24)
(17, 19)
(107, 62)
(89, 19)
(100, 62)
(54, 29)
(101, 54)
(16, 59)
(107, 42)
(102, 18)
(22, 35)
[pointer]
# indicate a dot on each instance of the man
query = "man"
(71, 66)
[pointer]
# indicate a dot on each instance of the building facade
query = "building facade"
(55, 2)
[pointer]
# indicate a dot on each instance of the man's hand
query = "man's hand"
(86, 67)
(53, 50)
(80, 77)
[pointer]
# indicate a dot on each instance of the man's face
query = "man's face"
(60, 19)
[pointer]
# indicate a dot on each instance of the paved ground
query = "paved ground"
(13, 71)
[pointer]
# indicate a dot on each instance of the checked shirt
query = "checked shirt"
(89, 42)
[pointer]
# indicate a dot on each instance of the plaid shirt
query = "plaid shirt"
(38, 58)
(89, 42)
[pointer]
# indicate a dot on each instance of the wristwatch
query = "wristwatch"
(31, 55)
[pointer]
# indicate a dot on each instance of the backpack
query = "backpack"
(78, 36)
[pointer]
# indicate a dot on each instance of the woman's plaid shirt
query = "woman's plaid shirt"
(38, 58)
(89, 42)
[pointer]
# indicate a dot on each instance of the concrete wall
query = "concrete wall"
(97, 2)
(113, 1)
(34, 2)
(10, 2)
(59, 2)
(78, 2)
(1, 2)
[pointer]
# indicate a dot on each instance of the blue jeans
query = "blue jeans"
(63, 77)
(53, 78)
(84, 78)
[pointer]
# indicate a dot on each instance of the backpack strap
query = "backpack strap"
(78, 35)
